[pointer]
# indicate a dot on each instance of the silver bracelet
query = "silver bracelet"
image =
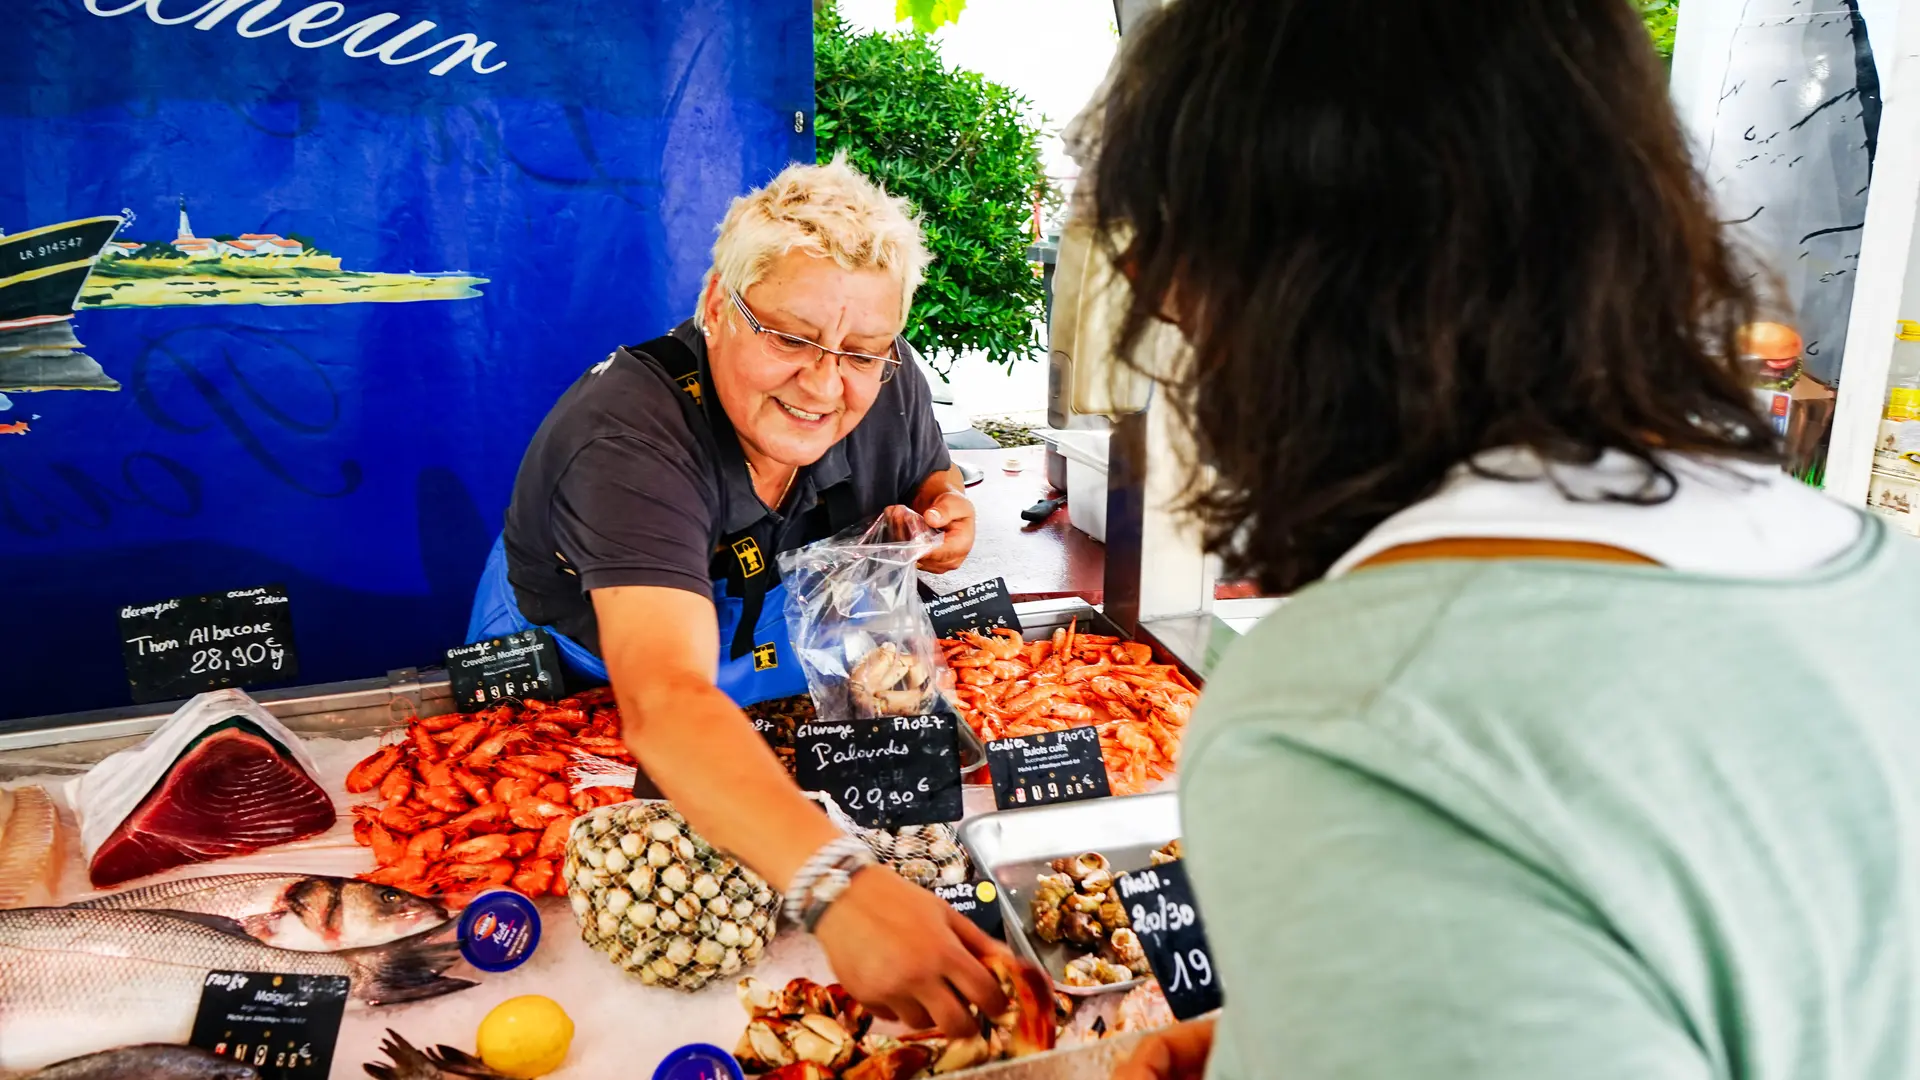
(822, 878)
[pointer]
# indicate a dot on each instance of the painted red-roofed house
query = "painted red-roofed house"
(274, 243)
(196, 248)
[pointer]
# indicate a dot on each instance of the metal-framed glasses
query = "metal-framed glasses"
(801, 352)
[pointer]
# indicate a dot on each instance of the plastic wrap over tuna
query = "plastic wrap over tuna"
(221, 777)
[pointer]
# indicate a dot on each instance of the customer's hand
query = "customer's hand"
(1176, 1053)
(903, 953)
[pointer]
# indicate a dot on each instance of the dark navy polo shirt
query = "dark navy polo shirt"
(619, 488)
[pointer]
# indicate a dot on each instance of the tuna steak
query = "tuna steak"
(232, 792)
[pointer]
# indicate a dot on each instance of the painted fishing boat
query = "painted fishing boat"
(42, 270)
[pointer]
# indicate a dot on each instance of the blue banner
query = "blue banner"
(286, 285)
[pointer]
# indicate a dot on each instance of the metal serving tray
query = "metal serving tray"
(1015, 846)
(1040, 618)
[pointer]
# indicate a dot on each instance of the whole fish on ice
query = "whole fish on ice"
(153, 1061)
(76, 980)
(306, 913)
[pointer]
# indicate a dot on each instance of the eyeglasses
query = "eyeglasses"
(803, 353)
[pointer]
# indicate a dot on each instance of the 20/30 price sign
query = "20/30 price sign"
(1160, 902)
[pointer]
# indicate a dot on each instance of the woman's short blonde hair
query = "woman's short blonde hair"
(830, 211)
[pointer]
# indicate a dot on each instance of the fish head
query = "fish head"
(370, 912)
(349, 914)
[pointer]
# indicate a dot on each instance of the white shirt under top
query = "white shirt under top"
(1727, 518)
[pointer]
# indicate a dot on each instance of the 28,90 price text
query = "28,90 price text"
(254, 655)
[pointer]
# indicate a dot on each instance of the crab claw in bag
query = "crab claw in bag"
(854, 614)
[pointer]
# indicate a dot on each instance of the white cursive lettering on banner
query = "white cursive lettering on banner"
(356, 39)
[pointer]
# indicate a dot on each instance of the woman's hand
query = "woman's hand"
(941, 501)
(952, 513)
(1176, 1053)
(907, 956)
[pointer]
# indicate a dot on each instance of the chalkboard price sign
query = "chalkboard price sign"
(978, 900)
(523, 665)
(189, 645)
(978, 608)
(284, 1026)
(1160, 903)
(1050, 767)
(886, 773)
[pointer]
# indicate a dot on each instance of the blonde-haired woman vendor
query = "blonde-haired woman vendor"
(651, 504)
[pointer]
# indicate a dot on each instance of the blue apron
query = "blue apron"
(756, 656)
(768, 671)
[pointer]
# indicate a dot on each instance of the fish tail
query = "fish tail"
(407, 1061)
(460, 1063)
(405, 970)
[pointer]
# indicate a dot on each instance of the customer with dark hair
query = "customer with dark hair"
(1587, 746)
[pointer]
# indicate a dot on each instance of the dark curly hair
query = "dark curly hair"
(1398, 233)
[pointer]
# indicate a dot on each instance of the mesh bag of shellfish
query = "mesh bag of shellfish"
(857, 624)
(664, 905)
(927, 855)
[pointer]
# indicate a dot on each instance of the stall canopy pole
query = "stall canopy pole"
(1887, 290)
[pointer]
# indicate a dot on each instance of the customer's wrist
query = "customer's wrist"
(823, 879)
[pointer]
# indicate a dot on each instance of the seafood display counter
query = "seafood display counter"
(650, 939)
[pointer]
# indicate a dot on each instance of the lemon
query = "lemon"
(525, 1037)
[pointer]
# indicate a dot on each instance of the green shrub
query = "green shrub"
(1660, 17)
(966, 152)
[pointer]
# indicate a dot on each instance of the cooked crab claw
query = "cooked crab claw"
(1028, 1020)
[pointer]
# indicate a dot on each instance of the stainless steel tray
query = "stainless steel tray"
(1040, 618)
(1037, 621)
(1015, 846)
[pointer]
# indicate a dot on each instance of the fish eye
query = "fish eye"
(390, 896)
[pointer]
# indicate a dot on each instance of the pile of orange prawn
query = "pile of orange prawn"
(474, 801)
(1005, 687)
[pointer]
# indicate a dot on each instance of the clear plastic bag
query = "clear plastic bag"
(856, 621)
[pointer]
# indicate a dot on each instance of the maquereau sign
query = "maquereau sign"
(255, 19)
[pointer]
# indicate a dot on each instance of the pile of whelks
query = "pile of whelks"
(472, 801)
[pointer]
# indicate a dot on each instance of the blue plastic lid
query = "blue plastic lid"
(499, 930)
(698, 1061)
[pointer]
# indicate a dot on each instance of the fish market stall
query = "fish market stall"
(427, 809)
